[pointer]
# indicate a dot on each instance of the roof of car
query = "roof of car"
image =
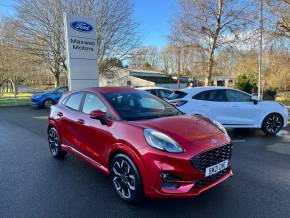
(154, 87)
(202, 88)
(105, 90)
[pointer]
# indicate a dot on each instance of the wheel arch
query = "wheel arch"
(133, 154)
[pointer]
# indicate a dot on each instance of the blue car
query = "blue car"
(46, 99)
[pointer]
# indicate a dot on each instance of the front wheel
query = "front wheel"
(272, 124)
(126, 179)
(48, 103)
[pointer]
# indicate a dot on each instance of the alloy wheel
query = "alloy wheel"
(124, 178)
(53, 142)
(48, 103)
(273, 124)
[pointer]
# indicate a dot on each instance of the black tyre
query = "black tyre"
(48, 103)
(126, 179)
(55, 144)
(272, 124)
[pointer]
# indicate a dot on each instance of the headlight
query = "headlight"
(161, 141)
(220, 127)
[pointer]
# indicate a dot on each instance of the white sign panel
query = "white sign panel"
(81, 51)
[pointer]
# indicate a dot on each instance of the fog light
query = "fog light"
(169, 181)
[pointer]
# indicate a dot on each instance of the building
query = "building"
(226, 80)
(139, 78)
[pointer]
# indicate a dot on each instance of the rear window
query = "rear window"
(176, 95)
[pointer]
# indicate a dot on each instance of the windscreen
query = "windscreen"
(177, 94)
(140, 105)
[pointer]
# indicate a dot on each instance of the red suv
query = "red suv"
(147, 146)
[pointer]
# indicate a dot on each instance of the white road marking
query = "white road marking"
(238, 140)
(40, 117)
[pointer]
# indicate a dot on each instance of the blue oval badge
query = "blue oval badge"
(81, 26)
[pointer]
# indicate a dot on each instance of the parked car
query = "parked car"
(160, 92)
(46, 99)
(231, 107)
(147, 146)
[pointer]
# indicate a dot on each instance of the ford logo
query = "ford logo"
(81, 26)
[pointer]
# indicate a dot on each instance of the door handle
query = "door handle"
(81, 121)
(204, 105)
(60, 114)
(235, 106)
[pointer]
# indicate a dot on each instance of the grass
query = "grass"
(9, 99)
(287, 102)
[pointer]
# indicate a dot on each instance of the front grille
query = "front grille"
(203, 182)
(212, 157)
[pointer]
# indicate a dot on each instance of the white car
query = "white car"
(231, 107)
(160, 92)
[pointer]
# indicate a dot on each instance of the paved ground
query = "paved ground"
(32, 184)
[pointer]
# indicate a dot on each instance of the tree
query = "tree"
(211, 25)
(42, 29)
(246, 83)
(145, 58)
(281, 9)
(41, 25)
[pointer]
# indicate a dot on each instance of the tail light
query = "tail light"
(179, 103)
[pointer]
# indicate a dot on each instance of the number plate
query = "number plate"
(216, 168)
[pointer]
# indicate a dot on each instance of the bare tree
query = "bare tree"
(281, 11)
(14, 66)
(146, 58)
(42, 29)
(211, 25)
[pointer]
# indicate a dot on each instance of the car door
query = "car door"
(96, 137)
(212, 103)
(71, 121)
(241, 110)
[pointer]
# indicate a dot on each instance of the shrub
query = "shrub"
(246, 83)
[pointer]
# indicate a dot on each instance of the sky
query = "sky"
(153, 17)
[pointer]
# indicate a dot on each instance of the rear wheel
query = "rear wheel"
(272, 124)
(126, 179)
(55, 144)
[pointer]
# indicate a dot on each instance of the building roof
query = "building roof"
(157, 79)
(105, 90)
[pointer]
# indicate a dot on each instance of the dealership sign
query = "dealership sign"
(81, 51)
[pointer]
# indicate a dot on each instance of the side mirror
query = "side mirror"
(254, 99)
(99, 115)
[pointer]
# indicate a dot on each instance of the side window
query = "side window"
(74, 101)
(220, 95)
(152, 91)
(201, 96)
(212, 95)
(164, 93)
(236, 96)
(92, 102)
(63, 90)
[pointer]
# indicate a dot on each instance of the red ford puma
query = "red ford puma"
(147, 146)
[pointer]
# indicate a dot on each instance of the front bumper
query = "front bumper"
(191, 181)
(285, 117)
(35, 102)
